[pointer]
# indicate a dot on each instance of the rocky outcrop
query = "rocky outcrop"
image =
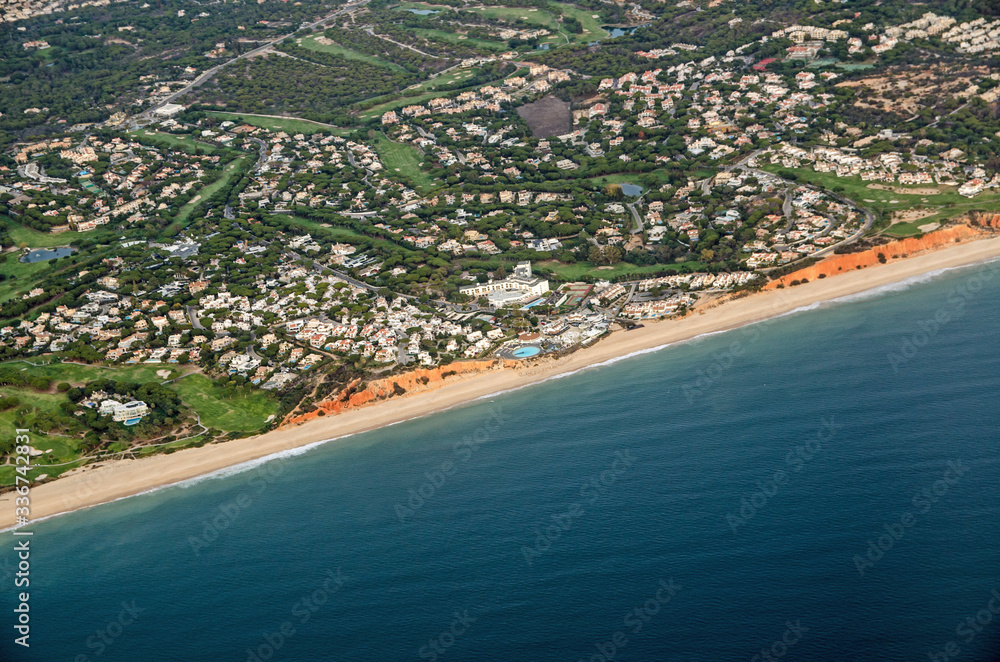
(894, 250)
(358, 395)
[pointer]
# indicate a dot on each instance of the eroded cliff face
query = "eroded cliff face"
(415, 381)
(894, 250)
(990, 221)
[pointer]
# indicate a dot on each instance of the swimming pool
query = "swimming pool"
(525, 352)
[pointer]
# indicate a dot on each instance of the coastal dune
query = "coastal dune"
(114, 480)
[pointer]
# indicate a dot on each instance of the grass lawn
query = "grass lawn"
(592, 30)
(528, 14)
(572, 272)
(241, 413)
(441, 35)
(948, 202)
(662, 177)
(417, 96)
(405, 160)
(36, 239)
(183, 142)
(23, 274)
(77, 373)
(63, 449)
(421, 5)
(905, 229)
(231, 170)
(291, 125)
(311, 44)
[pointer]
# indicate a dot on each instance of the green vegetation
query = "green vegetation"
(232, 169)
(311, 44)
(584, 270)
(404, 160)
(947, 199)
(592, 30)
(414, 97)
(183, 141)
(905, 229)
(460, 39)
(78, 373)
(290, 125)
(35, 239)
(239, 413)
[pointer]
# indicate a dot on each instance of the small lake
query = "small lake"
(631, 190)
(45, 254)
(422, 12)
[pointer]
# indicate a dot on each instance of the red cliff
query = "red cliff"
(382, 389)
(894, 250)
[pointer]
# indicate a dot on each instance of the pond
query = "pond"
(631, 189)
(620, 32)
(45, 254)
(422, 12)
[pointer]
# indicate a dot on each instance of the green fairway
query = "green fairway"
(78, 373)
(233, 169)
(947, 200)
(592, 30)
(183, 142)
(291, 125)
(311, 44)
(905, 229)
(661, 175)
(580, 270)
(417, 95)
(403, 160)
(35, 239)
(19, 275)
(441, 35)
(32, 414)
(242, 413)
(534, 15)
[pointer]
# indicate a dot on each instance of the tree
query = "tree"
(596, 256)
(614, 191)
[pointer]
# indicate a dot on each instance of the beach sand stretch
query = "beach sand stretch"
(118, 479)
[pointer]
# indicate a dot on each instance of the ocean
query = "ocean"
(821, 486)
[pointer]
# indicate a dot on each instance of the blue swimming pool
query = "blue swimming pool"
(525, 352)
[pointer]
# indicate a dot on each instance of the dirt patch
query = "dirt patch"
(909, 89)
(546, 117)
(912, 215)
(163, 374)
(904, 190)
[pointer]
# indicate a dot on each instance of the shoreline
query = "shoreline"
(111, 481)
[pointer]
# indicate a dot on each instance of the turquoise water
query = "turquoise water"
(700, 503)
(525, 352)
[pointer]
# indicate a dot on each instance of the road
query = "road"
(371, 31)
(638, 229)
(147, 114)
(868, 214)
(195, 323)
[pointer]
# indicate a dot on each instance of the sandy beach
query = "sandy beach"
(115, 480)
